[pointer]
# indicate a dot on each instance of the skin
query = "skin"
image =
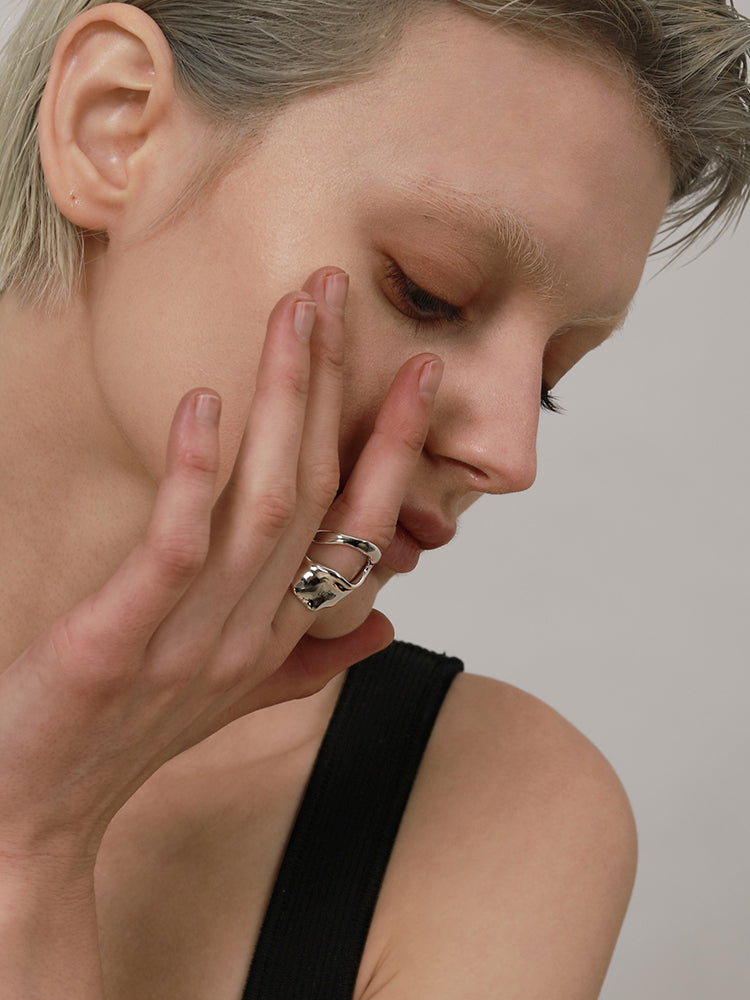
(193, 628)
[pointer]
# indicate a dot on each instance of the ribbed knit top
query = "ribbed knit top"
(317, 921)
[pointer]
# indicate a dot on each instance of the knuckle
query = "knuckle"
(177, 556)
(200, 462)
(330, 356)
(320, 481)
(275, 507)
(86, 655)
(69, 642)
(404, 438)
(294, 383)
(411, 440)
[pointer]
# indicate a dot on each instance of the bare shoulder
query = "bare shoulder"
(514, 863)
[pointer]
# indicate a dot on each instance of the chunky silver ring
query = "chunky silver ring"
(322, 587)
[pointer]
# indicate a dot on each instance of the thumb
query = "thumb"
(314, 662)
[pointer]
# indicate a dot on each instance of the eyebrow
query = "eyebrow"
(501, 230)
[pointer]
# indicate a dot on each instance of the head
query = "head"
(199, 160)
(240, 61)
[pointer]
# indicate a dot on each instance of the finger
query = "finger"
(287, 467)
(318, 470)
(319, 466)
(155, 576)
(265, 472)
(312, 468)
(307, 669)
(260, 499)
(314, 662)
(370, 503)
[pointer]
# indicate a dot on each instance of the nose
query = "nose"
(486, 419)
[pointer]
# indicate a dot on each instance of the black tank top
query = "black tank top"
(317, 921)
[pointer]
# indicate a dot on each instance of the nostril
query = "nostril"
(509, 474)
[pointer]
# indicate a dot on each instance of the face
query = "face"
(493, 200)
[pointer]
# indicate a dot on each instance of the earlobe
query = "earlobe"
(109, 91)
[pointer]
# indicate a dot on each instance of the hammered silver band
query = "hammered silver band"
(322, 587)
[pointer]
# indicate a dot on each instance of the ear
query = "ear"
(108, 98)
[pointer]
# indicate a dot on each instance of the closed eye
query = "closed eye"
(419, 304)
(423, 307)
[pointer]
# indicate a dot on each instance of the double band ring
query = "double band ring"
(322, 587)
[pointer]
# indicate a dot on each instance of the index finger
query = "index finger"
(370, 503)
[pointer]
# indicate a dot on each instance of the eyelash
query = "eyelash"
(423, 307)
(550, 403)
(418, 304)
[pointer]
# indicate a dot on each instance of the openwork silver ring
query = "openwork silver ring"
(322, 587)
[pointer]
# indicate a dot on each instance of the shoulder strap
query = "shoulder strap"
(316, 925)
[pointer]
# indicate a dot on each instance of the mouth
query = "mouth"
(416, 532)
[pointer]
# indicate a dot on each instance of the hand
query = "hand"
(198, 626)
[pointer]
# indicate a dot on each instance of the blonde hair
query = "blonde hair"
(240, 60)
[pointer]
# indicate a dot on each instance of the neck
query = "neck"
(73, 499)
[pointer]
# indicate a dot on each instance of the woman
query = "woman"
(172, 664)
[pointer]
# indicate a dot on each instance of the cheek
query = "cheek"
(147, 358)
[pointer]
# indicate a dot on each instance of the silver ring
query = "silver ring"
(322, 587)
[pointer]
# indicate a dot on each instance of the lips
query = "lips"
(415, 532)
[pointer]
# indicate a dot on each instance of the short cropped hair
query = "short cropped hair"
(239, 61)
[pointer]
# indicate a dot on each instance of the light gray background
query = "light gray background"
(617, 590)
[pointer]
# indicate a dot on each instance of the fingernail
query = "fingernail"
(429, 380)
(304, 319)
(336, 290)
(207, 406)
